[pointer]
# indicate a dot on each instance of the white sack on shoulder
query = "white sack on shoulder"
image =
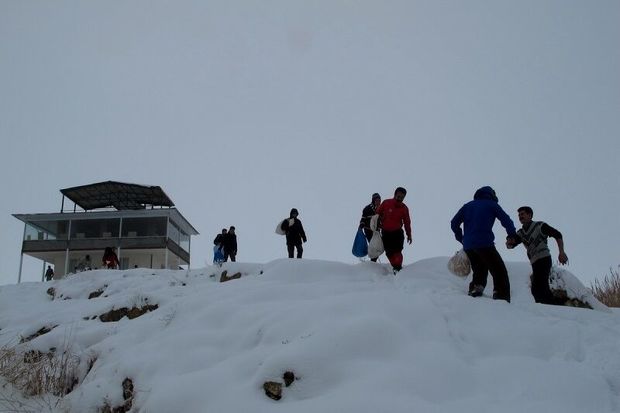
(279, 229)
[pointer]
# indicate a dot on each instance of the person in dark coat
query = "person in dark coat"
(367, 213)
(478, 217)
(230, 245)
(49, 274)
(295, 234)
(218, 250)
(219, 239)
(533, 235)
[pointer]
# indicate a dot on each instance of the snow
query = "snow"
(357, 338)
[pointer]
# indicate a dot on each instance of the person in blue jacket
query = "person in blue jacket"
(478, 217)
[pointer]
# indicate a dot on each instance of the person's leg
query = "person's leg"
(225, 255)
(497, 268)
(300, 250)
(393, 243)
(397, 257)
(233, 257)
(291, 250)
(540, 281)
(480, 273)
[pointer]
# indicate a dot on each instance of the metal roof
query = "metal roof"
(119, 195)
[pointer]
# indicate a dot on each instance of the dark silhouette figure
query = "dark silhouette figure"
(230, 245)
(367, 213)
(295, 234)
(49, 274)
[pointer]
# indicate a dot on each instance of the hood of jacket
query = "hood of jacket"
(486, 192)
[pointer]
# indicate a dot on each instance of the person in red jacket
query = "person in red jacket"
(393, 214)
(110, 259)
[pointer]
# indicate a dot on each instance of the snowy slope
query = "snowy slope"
(357, 339)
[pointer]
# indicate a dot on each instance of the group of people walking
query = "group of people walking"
(225, 245)
(392, 215)
(472, 226)
(477, 218)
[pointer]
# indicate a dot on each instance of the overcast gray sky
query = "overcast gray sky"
(241, 110)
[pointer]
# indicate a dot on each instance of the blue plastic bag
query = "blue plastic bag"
(360, 245)
(218, 255)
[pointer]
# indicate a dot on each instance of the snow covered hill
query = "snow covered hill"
(355, 338)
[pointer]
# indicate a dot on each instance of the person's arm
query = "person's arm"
(407, 222)
(284, 226)
(379, 210)
(513, 241)
(366, 215)
(302, 232)
(506, 222)
(557, 235)
(455, 224)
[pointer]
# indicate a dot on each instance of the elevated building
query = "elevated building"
(140, 221)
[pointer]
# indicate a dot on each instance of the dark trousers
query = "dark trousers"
(488, 259)
(232, 255)
(291, 250)
(393, 242)
(540, 281)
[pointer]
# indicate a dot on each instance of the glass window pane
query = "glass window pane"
(95, 228)
(144, 227)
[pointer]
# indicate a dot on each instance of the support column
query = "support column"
(67, 251)
(21, 258)
(21, 262)
(189, 251)
(120, 233)
(167, 238)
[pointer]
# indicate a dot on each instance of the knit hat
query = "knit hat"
(375, 196)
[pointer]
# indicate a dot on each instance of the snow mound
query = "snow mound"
(356, 338)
